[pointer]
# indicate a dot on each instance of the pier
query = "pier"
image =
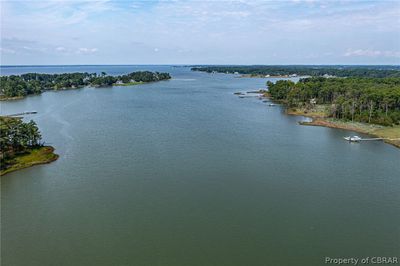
(358, 139)
(23, 113)
(379, 139)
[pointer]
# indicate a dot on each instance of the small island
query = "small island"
(21, 146)
(18, 86)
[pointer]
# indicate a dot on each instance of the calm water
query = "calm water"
(183, 172)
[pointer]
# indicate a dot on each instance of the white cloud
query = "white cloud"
(61, 49)
(371, 53)
(34, 49)
(87, 50)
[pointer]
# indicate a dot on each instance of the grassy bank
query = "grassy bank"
(30, 158)
(390, 133)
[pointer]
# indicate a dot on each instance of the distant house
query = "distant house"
(267, 76)
(328, 76)
(236, 73)
(119, 82)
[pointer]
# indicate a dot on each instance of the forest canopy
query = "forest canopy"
(16, 136)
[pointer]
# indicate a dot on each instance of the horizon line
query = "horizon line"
(55, 65)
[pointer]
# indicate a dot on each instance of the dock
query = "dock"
(21, 114)
(380, 139)
(370, 139)
(358, 139)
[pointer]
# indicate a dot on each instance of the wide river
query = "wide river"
(183, 172)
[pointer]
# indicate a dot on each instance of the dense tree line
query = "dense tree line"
(371, 100)
(34, 83)
(308, 70)
(144, 76)
(16, 136)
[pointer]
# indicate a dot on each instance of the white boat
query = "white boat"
(353, 138)
(271, 104)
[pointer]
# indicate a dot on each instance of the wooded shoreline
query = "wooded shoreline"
(18, 86)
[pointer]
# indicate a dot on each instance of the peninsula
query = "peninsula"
(21, 146)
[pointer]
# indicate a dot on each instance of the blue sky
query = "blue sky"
(200, 32)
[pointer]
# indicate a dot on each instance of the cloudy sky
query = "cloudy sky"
(200, 32)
